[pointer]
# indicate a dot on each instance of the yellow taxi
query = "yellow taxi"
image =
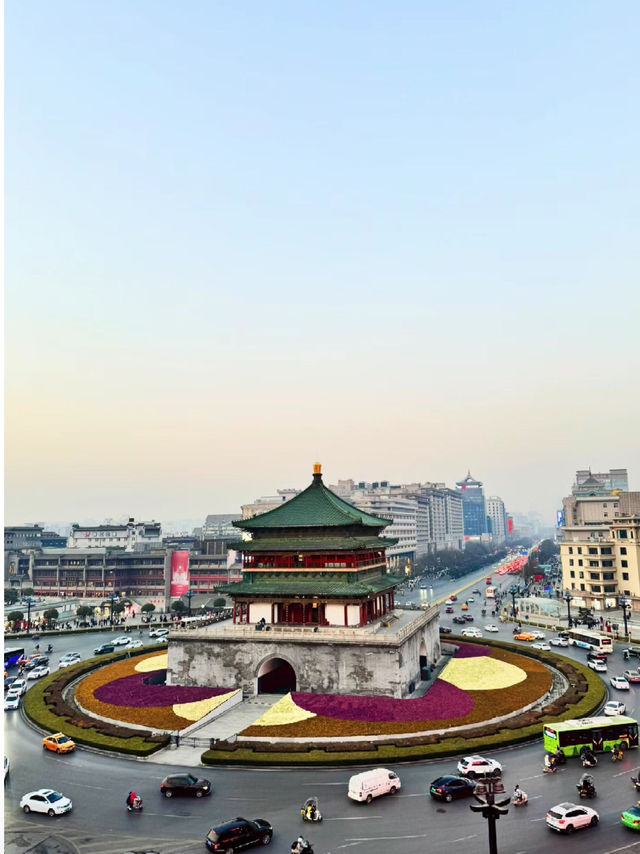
(525, 636)
(59, 743)
(464, 607)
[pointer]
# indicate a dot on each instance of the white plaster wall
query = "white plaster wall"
(335, 614)
(353, 615)
(257, 612)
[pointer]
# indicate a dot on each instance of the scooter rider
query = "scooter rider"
(519, 796)
(300, 846)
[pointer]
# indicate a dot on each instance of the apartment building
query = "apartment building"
(600, 547)
(498, 520)
(127, 536)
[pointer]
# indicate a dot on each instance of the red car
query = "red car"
(453, 598)
(459, 620)
(448, 610)
(468, 618)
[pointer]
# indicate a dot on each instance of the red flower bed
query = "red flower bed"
(132, 691)
(442, 701)
(471, 650)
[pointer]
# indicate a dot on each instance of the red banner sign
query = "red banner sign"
(179, 573)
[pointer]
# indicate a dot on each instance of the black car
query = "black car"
(102, 650)
(468, 618)
(36, 661)
(185, 784)
(459, 620)
(239, 833)
(445, 630)
(8, 682)
(448, 788)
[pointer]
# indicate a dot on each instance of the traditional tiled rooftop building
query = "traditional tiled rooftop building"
(315, 560)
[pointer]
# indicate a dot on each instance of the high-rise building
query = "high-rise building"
(498, 518)
(613, 479)
(473, 506)
(600, 547)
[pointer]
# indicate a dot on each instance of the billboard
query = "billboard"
(559, 518)
(179, 573)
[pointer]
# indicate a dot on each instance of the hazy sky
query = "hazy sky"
(399, 238)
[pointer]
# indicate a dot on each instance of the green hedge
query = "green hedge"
(524, 727)
(43, 705)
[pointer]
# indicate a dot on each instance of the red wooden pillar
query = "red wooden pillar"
(346, 615)
(248, 606)
(234, 613)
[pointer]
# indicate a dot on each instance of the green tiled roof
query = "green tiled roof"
(313, 588)
(309, 544)
(317, 507)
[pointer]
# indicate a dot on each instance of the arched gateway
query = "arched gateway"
(276, 676)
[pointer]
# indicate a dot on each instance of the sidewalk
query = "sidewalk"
(226, 726)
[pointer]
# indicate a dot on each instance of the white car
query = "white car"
(18, 686)
(136, 643)
(158, 633)
(567, 817)
(470, 600)
(479, 766)
(491, 628)
(47, 801)
(559, 642)
(538, 635)
(620, 683)
(121, 640)
(614, 707)
(471, 633)
(449, 602)
(11, 702)
(69, 658)
(541, 645)
(37, 672)
(597, 664)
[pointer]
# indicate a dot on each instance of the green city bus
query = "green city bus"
(598, 734)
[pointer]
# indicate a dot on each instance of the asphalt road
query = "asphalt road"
(407, 823)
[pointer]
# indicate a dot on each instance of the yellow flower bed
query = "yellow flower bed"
(153, 662)
(195, 711)
(285, 711)
(482, 674)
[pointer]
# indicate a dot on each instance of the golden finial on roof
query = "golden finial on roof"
(317, 468)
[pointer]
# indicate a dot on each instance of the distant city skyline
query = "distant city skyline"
(397, 239)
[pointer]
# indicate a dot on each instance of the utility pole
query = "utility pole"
(485, 793)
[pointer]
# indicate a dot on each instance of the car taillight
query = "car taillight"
(560, 821)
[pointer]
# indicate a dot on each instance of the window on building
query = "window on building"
(581, 575)
(624, 563)
(572, 574)
(595, 588)
(625, 576)
(582, 587)
(570, 550)
(570, 561)
(605, 550)
(595, 576)
(593, 551)
(579, 550)
(609, 588)
(593, 563)
(622, 535)
(579, 561)
(607, 563)
(623, 550)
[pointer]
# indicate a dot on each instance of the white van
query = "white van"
(370, 784)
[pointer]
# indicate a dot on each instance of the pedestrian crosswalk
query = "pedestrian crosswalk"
(24, 838)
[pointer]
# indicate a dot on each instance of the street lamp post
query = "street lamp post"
(112, 598)
(624, 604)
(568, 598)
(29, 602)
(513, 590)
(189, 595)
(485, 793)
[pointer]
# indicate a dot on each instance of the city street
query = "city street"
(407, 822)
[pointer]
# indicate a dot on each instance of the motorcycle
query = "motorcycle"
(310, 810)
(301, 847)
(50, 648)
(520, 798)
(636, 783)
(585, 786)
(617, 753)
(549, 766)
(135, 805)
(588, 759)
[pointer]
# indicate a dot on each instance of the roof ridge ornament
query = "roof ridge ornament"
(317, 472)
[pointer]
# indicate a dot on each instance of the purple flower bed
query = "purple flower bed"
(471, 650)
(132, 691)
(442, 701)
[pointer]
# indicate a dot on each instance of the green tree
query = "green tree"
(27, 591)
(83, 611)
(51, 615)
(178, 606)
(117, 607)
(15, 616)
(148, 607)
(10, 595)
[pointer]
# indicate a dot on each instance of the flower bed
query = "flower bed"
(502, 682)
(118, 692)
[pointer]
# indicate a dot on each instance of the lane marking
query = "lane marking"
(350, 818)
